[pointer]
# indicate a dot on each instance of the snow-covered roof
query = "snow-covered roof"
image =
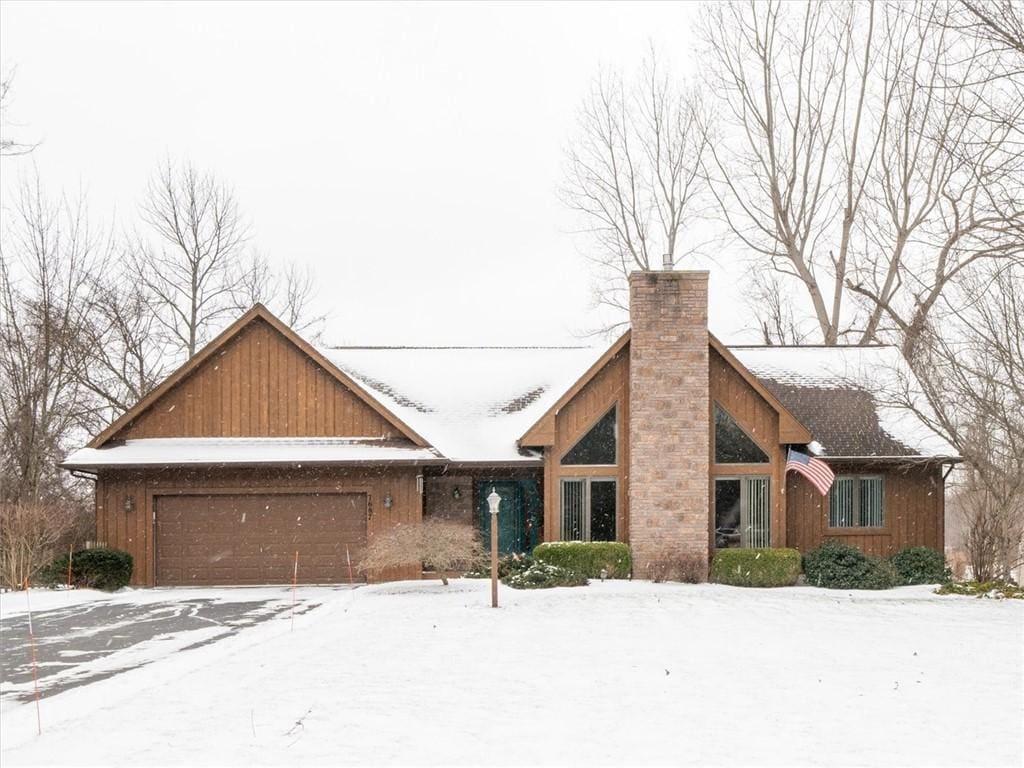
(470, 403)
(852, 399)
(248, 451)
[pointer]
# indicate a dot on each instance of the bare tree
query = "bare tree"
(633, 175)
(8, 144)
(857, 158)
(123, 352)
(48, 259)
(194, 266)
(972, 371)
(288, 293)
(1001, 22)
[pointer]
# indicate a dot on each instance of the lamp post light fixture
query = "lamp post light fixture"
(494, 501)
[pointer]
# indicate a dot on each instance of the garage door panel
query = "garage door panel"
(252, 539)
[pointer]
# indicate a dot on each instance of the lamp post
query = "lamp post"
(494, 500)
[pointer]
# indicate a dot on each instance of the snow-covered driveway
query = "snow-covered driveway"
(83, 636)
(614, 673)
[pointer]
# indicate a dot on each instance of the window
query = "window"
(598, 446)
(588, 509)
(732, 444)
(856, 502)
(742, 512)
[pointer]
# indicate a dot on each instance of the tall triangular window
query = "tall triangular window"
(598, 446)
(732, 444)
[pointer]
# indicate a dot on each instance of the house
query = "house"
(262, 446)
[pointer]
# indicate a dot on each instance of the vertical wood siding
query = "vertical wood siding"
(761, 422)
(608, 388)
(259, 385)
(913, 504)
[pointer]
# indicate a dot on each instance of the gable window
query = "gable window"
(732, 444)
(588, 509)
(856, 502)
(598, 446)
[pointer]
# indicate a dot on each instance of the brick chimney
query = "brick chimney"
(668, 421)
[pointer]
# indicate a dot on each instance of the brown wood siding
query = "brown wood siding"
(912, 500)
(609, 387)
(133, 531)
(259, 385)
(761, 422)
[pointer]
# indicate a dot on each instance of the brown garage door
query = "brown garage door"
(252, 539)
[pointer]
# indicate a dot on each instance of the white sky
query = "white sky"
(410, 153)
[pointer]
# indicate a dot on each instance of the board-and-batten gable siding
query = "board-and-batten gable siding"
(759, 420)
(258, 385)
(134, 531)
(913, 503)
(608, 387)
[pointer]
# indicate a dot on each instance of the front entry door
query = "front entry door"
(513, 531)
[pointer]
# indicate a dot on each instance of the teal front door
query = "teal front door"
(513, 521)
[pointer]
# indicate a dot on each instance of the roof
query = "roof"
(851, 398)
(471, 403)
(249, 451)
(257, 313)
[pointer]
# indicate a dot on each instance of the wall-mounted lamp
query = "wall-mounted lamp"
(388, 501)
(456, 493)
(129, 503)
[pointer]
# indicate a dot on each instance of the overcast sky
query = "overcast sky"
(410, 153)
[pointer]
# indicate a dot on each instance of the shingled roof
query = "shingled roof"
(851, 398)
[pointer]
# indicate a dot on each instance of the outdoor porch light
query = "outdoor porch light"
(456, 493)
(129, 503)
(494, 502)
(388, 501)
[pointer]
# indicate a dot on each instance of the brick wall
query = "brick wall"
(439, 502)
(669, 422)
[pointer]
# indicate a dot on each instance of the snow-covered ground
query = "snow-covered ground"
(614, 673)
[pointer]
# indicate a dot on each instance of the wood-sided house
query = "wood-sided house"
(262, 445)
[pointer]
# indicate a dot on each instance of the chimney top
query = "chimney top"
(666, 261)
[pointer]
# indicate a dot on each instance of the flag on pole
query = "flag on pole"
(815, 470)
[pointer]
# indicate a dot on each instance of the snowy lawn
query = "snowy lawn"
(614, 673)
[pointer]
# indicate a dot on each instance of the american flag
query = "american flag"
(815, 470)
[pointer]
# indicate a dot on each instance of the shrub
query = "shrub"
(544, 576)
(508, 565)
(836, 566)
(31, 535)
(588, 558)
(436, 544)
(995, 589)
(756, 567)
(101, 568)
(669, 566)
(920, 565)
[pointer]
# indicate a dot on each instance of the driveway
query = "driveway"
(79, 644)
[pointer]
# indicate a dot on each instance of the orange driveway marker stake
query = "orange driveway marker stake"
(32, 645)
(295, 580)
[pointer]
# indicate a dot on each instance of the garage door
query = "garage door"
(252, 539)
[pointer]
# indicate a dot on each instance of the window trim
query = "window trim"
(618, 440)
(856, 529)
(587, 480)
(715, 403)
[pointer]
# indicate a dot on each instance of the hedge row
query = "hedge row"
(588, 558)
(756, 567)
(835, 565)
